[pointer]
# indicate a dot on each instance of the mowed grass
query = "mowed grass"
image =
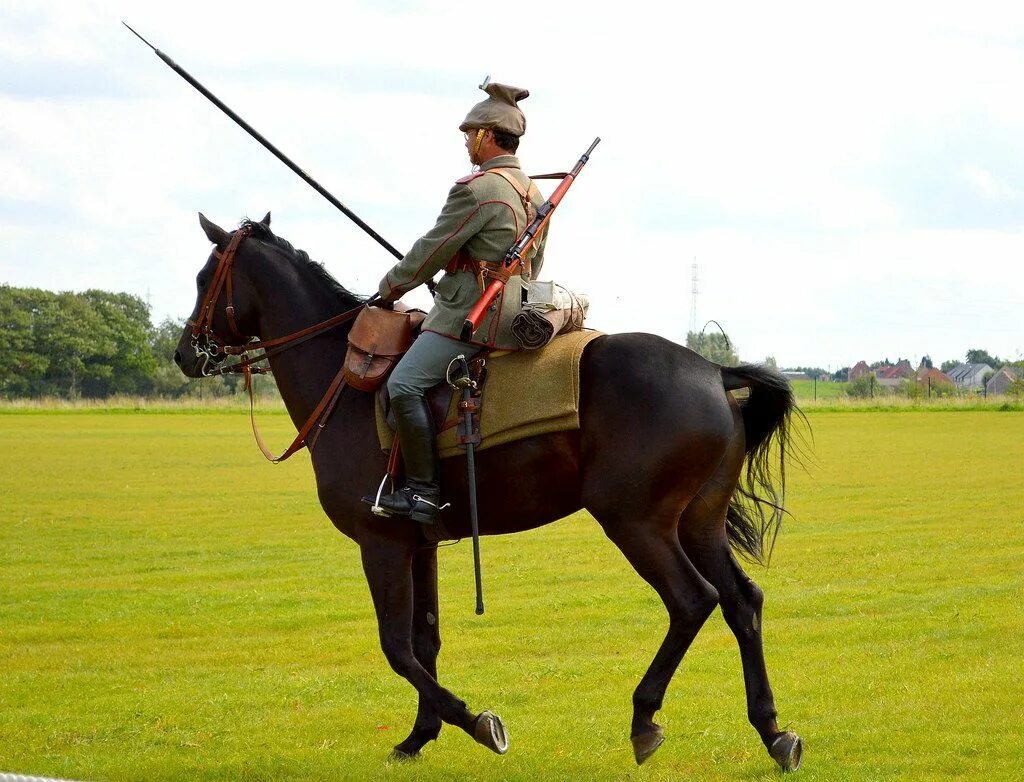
(172, 607)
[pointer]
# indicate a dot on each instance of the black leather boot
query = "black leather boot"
(420, 498)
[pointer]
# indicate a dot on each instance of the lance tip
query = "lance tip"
(151, 46)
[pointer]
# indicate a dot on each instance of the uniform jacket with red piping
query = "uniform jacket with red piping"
(483, 216)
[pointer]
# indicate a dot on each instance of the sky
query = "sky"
(847, 178)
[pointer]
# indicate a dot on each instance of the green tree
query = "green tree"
(128, 366)
(167, 378)
(948, 365)
(926, 361)
(22, 366)
(910, 387)
(73, 336)
(862, 387)
(979, 356)
(714, 346)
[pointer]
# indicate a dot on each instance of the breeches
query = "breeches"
(426, 363)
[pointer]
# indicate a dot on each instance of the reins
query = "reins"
(214, 345)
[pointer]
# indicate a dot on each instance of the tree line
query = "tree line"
(92, 344)
(97, 344)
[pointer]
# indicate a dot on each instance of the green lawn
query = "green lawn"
(172, 607)
(811, 390)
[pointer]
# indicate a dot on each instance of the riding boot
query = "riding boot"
(419, 498)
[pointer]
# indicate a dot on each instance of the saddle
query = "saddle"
(380, 337)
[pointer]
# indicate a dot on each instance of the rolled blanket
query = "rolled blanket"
(550, 310)
(532, 329)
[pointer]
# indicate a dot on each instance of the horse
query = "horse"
(676, 469)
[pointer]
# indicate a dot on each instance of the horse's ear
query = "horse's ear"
(266, 220)
(213, 232)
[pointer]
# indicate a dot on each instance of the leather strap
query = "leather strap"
(526, 196)
(317, 418)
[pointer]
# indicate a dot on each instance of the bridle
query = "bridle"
(208, 346)
(211, 348)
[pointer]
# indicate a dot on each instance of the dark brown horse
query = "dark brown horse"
(658, 461)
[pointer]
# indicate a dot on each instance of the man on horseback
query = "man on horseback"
(483, 216)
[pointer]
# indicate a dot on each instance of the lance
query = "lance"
(270, 147)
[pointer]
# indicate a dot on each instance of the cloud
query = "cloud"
(843, 175)
(985, 184)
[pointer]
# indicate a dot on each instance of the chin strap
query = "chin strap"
(479, 140)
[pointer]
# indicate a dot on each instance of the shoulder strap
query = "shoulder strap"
(526, 196)
(469, 177)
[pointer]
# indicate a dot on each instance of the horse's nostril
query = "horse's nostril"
(177, 357)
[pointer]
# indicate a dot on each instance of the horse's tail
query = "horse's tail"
(756, 509)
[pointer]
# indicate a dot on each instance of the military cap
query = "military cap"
(498, 111)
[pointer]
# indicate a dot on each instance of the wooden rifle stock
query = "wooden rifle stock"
(514, 257)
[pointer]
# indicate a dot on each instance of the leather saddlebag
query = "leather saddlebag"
(376, 342)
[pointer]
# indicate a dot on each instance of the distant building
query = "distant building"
(933, 375)
(1001, 381)
(934, 380)
(858, 371)
(892, 376)
(969, 376)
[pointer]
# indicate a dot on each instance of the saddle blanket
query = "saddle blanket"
(526, 393)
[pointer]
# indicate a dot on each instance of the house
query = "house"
(933, 377)
(1002, 380)
(892, 376)
(857, 372)
(969, 376)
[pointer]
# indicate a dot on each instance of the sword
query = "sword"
(270, 147)
(469, 438)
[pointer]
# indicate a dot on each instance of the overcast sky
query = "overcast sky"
(849, 178)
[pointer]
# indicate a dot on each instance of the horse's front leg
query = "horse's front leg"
(387, 564)
(426, 644)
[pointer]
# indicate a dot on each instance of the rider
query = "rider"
(483, 216)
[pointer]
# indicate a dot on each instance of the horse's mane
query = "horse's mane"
(264, 234)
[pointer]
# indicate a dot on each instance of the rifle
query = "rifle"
(270, 147)
(514, 256)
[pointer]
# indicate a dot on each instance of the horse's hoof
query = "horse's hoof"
(646, 744)
(788, 751)
(402, 756)
(489, 730)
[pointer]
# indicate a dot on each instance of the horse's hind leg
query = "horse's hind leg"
(653, 549)
(426, 644)
(702, 533)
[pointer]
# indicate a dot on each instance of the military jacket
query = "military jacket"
(483, 216)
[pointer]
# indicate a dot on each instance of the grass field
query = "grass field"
(172, 607)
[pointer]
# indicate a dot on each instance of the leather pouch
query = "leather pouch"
(378, 339)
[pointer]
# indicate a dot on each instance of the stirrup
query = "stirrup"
(375, 507)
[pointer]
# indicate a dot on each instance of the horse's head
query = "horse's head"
(225, 311)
